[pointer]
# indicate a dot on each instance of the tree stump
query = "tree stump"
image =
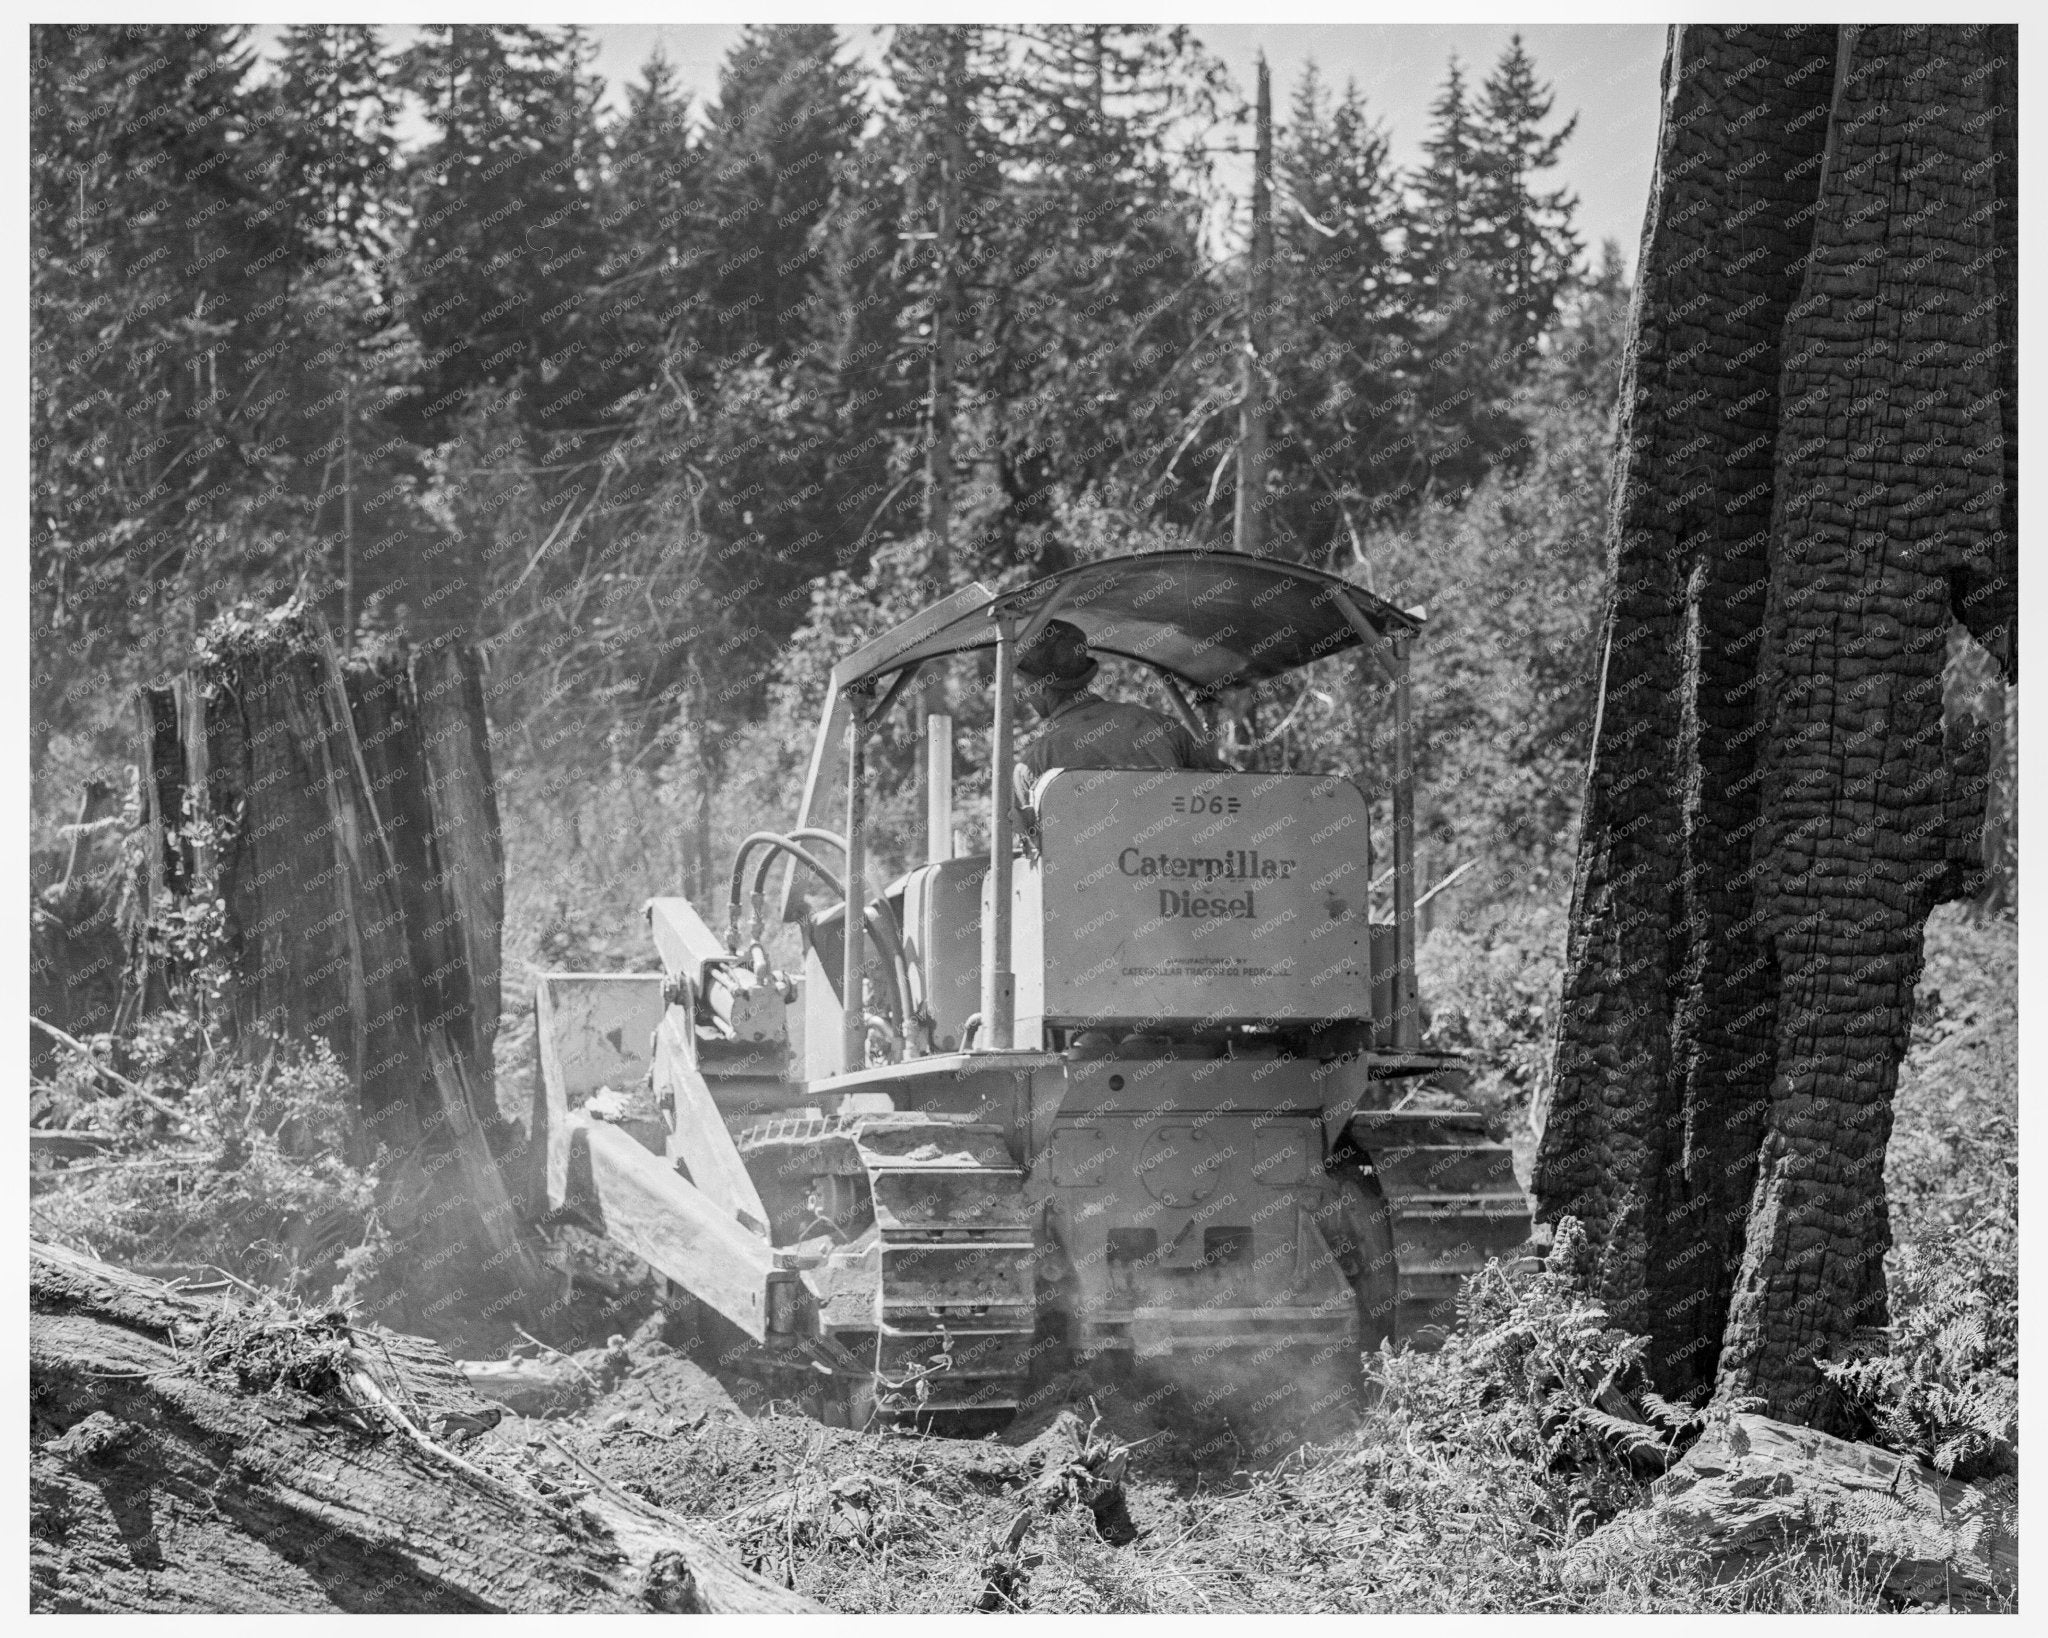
(343, 817)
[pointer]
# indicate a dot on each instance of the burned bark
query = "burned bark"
(1663, 1064)
(1811, 491)
(187, 1455)
(1891, 467)
(169, 862)
(468, 855)
(77, 951)
(315, 936)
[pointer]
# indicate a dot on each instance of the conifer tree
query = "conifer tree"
(1097, 298)
(155, 257)
(501, 244)
(1446, 191)
(713, 486)
(1342, 328)
(1489, 258)
(651, 187)
(1525, 228)
(352, 489)
(788, 115)
(334, 143)
(934, 177)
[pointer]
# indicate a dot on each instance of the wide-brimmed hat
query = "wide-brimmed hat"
(1057, 659)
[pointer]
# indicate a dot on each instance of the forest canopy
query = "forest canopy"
(645, 397)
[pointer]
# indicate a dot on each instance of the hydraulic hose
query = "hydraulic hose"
(880, 918)
(877, 917)
(889, 932)
(777, 842)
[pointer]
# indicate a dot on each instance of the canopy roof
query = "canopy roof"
(1210, 620)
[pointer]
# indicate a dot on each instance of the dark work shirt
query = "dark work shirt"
(1088, 731)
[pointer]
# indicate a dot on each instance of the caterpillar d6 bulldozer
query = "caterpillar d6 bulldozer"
(1134, 1084)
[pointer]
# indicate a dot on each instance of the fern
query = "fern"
(1676, 1419)
(1942, 1383)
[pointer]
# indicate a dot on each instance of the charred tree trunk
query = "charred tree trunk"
(1663, 1062)
(420, 724)
(76, 957)
(1891, 466)
(80, 912)
(163, 793)
(1809, 490)
(468, 863)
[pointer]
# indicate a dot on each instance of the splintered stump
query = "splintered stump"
(341, 816)
(193, 1455)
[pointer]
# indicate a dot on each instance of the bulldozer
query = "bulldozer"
(1135, 1088)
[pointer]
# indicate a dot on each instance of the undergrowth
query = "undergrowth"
(215, 1163)
(1942, 1383)
(1492, 979)
(1474, 1474)
(1465, 1486)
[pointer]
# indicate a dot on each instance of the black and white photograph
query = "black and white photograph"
(1406, 632)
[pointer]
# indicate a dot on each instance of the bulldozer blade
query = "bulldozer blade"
(593, 1030)
(699, 1136)
(637, 1201)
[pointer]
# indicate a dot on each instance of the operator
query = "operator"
(1081, 729)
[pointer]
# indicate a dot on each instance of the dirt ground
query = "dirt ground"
(1430, 1495)
(1414, 1504)
(891, 1520)
(1380, 1513)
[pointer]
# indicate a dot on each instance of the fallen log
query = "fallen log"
(199, 1455)
(1752, 1488)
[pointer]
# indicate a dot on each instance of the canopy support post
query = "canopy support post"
(998, 983)
(1189, 720)
(1377, 1027)
(1372, 645)
(1407, 1023)
(853, 1017)
(938, 786)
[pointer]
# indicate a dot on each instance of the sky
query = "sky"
(1605, 72)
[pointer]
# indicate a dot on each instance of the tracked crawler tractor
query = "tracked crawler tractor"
(1130, 1085)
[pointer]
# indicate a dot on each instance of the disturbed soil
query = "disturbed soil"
(1421, 1500)
(1450, 1486)
(889, 1519)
